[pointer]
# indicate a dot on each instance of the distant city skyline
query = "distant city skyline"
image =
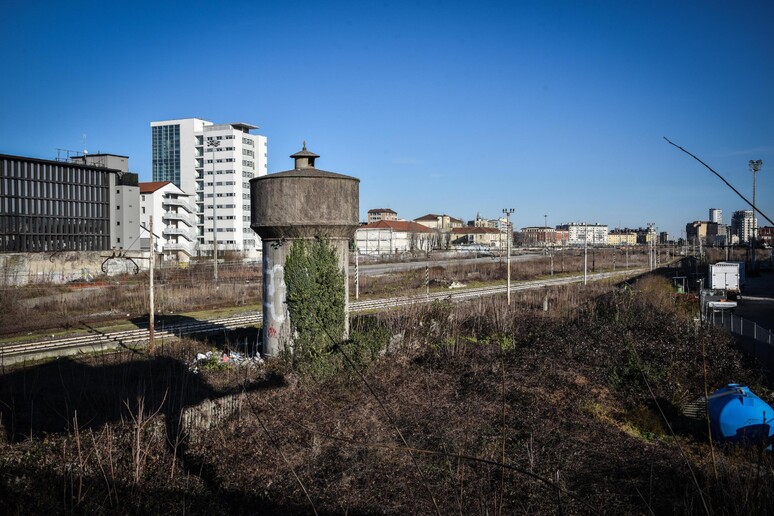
(556, 108)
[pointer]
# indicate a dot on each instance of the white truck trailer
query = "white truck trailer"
(728, 276)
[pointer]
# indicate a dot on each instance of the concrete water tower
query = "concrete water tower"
(302, 203)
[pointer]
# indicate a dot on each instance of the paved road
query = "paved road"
(757, 303)
(387, 268)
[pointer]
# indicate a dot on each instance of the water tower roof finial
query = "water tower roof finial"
(304, 158)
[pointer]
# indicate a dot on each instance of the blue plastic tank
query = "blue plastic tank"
(736, 414)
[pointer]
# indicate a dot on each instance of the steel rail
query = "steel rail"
(12, 353)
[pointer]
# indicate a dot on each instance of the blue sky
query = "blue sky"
(556, 108)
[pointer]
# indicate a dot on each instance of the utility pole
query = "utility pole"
(508, 212)
(357, 272)
(545, 240)
(585, 253)
(650, 237)
(755, 166)
(427, 278)
(151, 302)
(214, 144)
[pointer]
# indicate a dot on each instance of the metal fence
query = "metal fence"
(753, 338)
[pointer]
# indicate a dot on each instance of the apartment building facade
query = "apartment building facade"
(624, 237)
(214, 163)
(378, 214)
(173, 216)
(585, 234)
(743, 225)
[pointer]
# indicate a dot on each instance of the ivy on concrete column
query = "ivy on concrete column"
(315, 297)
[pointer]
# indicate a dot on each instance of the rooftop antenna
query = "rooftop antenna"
(85, 151)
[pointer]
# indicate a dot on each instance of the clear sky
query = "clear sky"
(556, 108)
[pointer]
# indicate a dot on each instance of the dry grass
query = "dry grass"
(52, 308)
(37, 307)
(507, 410)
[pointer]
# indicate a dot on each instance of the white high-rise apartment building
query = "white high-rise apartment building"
(579, 233)
(716, 215)
(213, 162)
(743, 225)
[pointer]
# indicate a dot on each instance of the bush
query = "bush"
(315, 297)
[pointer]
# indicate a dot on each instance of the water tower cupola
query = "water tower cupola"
(304, 158)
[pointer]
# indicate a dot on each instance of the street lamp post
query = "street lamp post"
(755, 166)
(151, 301)
(508, 212)
(214, 144)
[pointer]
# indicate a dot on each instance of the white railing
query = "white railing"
(185, 218)
(174, 231)
(183, 203)
(177, 246)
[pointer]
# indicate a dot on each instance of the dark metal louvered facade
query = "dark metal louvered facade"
(53, 206)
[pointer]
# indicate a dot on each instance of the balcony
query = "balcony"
(177, 246)
(175, 231)
(183, 203)
(185, 218)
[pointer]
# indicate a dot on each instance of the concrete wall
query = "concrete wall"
(24, 268)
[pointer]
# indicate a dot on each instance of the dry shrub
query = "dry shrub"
(557, 395)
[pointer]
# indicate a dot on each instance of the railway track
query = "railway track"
(99, 341)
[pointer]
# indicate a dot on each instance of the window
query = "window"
(118, 223)
(143, 209)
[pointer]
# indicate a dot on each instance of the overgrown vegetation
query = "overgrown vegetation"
(315, 298)
(468, 408)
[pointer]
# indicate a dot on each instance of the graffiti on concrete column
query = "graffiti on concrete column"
(275, 290)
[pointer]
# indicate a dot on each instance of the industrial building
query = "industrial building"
(84, 203)
(394, 236)
(214, 163)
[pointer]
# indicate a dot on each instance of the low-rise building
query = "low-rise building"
(622, 237)
(378, 214)
(480, 236)
(708, 233)
(441, 222)
(538, 235)
(766, 234)
(481, 222)
(393, 236)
